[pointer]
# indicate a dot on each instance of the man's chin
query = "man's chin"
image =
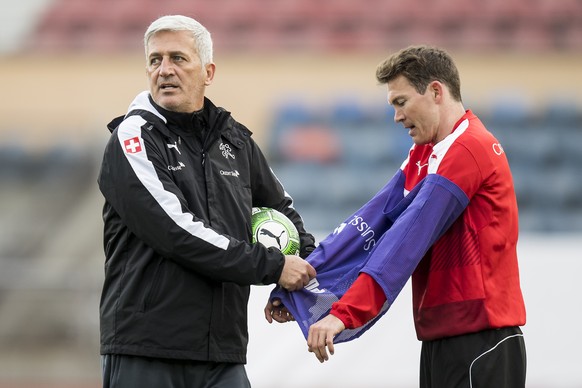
(168, 102)
(418, 141)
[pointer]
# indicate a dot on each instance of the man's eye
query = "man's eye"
(154, 61)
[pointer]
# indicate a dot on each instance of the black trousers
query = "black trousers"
(121, 371)
(487, 359)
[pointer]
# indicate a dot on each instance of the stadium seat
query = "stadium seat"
(302, 180)
(562, 110)
(309, 143)
(508, 106)
(328, 25)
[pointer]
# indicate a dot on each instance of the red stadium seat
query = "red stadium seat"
(322, 24)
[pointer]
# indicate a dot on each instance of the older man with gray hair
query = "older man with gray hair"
(177, 226)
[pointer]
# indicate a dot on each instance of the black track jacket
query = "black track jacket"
(178, 194)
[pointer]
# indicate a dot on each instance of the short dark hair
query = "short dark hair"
(421, 65)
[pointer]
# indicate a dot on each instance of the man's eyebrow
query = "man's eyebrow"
(178, 52)
(171, 53)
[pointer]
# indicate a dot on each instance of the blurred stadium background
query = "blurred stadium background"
(300, 75)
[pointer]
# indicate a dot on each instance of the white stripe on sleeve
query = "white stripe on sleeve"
(168, 201)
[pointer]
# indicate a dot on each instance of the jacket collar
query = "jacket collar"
(215, 117)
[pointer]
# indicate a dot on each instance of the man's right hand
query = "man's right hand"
(296, 273)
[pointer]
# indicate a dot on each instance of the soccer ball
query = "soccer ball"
(273, 229)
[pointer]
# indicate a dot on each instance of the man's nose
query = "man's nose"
(398, 116)
(166, 67)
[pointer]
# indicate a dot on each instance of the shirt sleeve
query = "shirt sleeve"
(430, 209)
(362, 302)
(400, 249)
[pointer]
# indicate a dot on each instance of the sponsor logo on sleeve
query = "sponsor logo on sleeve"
(313, 286)
(366, 231)
(497, 149)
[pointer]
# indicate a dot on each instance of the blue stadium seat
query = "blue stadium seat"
(508, 107)
(562, 111)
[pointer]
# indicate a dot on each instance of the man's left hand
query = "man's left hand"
(321, 335)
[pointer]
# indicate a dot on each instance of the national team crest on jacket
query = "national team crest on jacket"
(132, 146)
(226, 151)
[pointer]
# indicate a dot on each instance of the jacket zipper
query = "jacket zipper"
(205, 147)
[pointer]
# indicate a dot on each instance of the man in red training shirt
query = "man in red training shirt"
(455, 230)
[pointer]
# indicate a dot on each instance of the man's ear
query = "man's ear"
(436, 89)
(210, 69)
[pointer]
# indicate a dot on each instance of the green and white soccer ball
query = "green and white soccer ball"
(273, 229)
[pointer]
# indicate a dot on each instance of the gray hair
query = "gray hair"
(202, 39)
